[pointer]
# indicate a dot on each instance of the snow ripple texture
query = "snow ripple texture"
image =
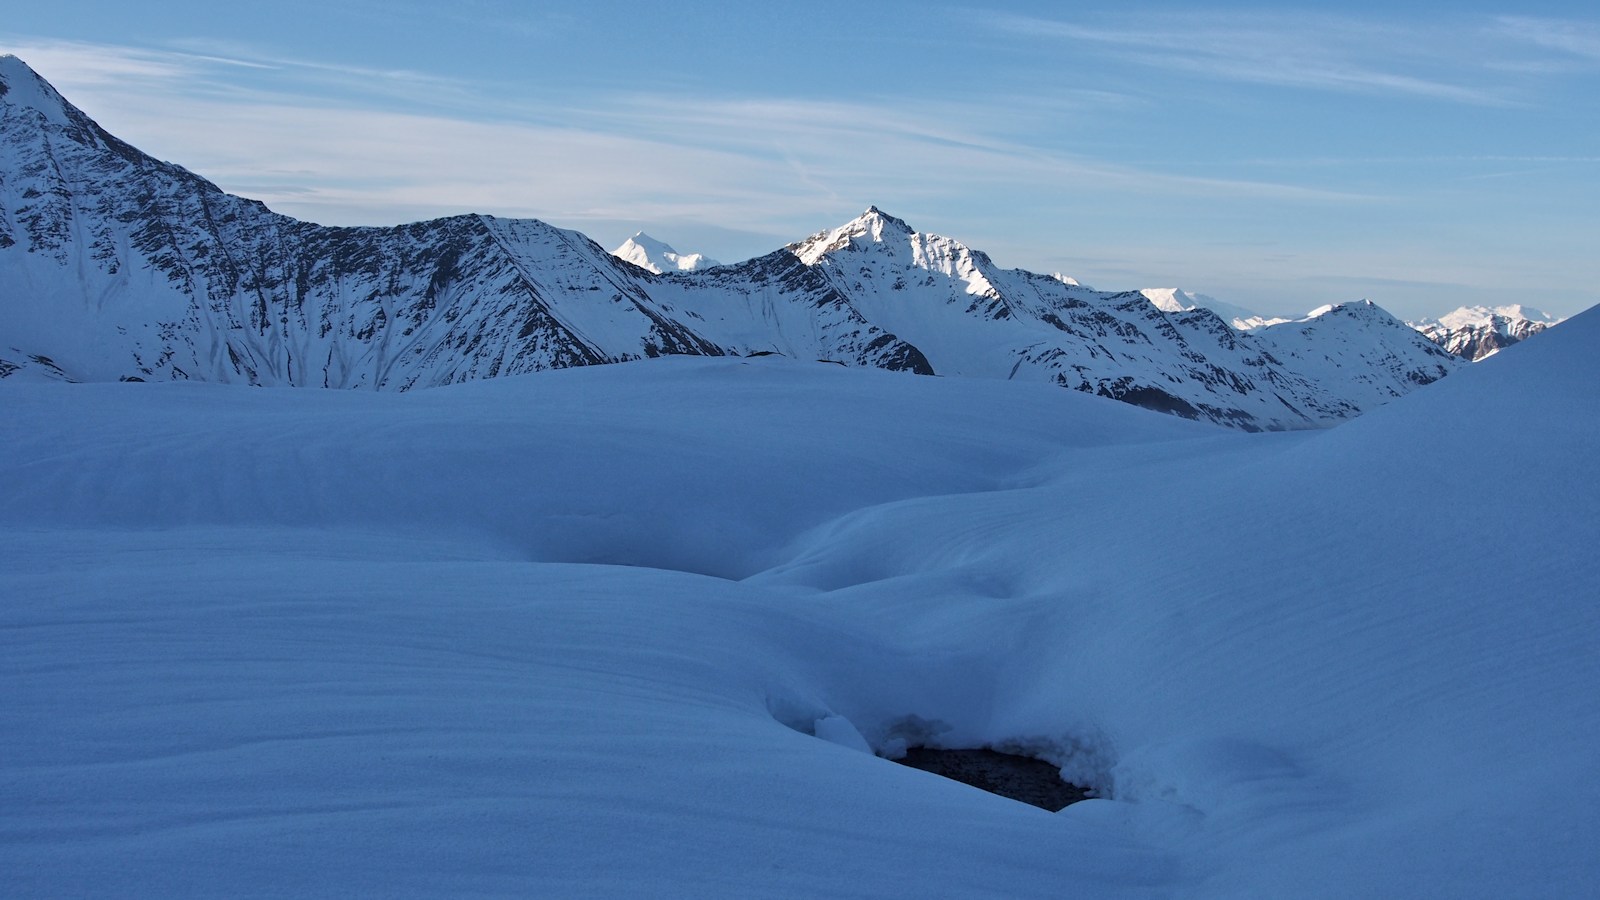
(644, 629)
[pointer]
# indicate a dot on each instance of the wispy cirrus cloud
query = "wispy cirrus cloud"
(351, 145)
(1326, 52)
(1577, 38)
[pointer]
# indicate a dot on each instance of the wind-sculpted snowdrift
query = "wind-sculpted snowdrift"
(628, 630)
(114, 265)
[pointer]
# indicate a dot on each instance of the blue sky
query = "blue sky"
(1423, 155)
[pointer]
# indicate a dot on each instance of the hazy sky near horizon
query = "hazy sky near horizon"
(1421, 155)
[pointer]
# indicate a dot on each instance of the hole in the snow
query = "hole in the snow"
(1023, 778)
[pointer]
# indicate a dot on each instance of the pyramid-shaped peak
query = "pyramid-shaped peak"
(879, 220)
(873, 228)
(659, 257)
(10, 65)
(1353, 310)
(22, 87)
(640, 239)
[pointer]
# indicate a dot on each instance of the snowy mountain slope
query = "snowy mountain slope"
(646, 252)
(1478, 332)
(114, 265)
(569, 634)
(126, 267)
(1368, 355)
(969, 317)
(776, 304)
(134, 268)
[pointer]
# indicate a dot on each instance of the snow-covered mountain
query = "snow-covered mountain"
(971, 317)
(118, 266)
(646, 252)
(1478, 332)
(1177, 300)
(114, 265)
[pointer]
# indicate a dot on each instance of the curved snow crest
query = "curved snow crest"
(659, 257)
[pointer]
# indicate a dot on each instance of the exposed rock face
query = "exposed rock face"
(1479, 332)
(970, 317)
(114, 265)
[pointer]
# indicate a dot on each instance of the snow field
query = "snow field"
(571, 634)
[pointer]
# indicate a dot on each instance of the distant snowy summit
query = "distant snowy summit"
(1472, 332)
(1479, 332)
(659, 257)
(1174, 300)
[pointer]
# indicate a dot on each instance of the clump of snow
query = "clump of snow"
(839, 730)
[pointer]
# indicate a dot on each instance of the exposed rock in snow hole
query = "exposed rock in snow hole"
(1022, 778)
(1026, 779)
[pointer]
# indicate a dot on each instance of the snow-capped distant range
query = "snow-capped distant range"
(1478, 332)
(646, 252)
(114, 265)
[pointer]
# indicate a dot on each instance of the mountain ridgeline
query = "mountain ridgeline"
(1479, 332)
(114, 265)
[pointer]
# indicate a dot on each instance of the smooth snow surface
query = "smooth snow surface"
(625, 630)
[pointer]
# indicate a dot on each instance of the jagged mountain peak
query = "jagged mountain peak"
(873, 227)
(880, 221)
